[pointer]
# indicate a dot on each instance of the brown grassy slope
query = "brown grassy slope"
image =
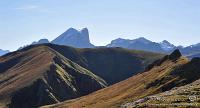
(39, 76)
(183, 97)
(111, 64)
(24, 68)
(180, 97)
(134, 88)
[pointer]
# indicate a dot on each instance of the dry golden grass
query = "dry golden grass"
(129, 90)
(41, 76)
(27, 70)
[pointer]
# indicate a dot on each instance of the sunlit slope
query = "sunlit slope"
(182, 97)
(111, 64)
(39, 75)
(160, 76)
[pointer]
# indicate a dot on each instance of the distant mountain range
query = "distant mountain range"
(166, 46)
(80, 39)
(2, 52)
(71, 37)
(147, 45)
(161, 47)
(194, 55)
(140, 44)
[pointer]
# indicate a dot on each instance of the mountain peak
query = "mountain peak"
(41, 41)
(175, 55)
(166, 45)
(119, 40)
(74, 38)
(85, 34)
(165, 41)
(138, 44)
(84, 29)
(72, 30)
(142, 40)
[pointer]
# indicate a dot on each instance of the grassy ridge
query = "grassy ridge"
(43, 76)
(184, 96)
(111, 64)
(47, 74)
(171, 71)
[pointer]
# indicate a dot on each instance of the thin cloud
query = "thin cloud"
(33, 8)
(27, 7)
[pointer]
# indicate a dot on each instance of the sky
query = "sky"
(25, 21)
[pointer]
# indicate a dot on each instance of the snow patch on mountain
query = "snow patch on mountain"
(165, 45)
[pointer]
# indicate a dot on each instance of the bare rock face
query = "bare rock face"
(74, 38)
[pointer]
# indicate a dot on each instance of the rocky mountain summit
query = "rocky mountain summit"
(75, 38)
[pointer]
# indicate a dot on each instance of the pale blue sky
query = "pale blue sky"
(24, 21)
